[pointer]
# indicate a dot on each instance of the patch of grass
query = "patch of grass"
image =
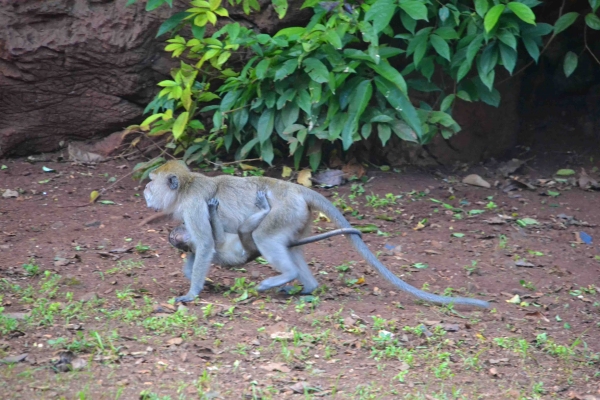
(31, 268)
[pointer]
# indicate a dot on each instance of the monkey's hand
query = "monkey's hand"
(261, 200)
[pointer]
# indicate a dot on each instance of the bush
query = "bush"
(345, 76)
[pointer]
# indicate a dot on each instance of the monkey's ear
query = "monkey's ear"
(173, 182)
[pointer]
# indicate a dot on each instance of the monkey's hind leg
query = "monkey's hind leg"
(252, 222)
(279, 256)
(305, 276)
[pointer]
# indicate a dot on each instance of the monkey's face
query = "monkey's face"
(161, 192)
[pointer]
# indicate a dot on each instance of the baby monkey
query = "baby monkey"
(237, 249)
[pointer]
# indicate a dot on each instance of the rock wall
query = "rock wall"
(73, 69)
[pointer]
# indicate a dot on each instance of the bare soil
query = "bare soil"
(87, 279)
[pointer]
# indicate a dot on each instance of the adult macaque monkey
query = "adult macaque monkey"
(185, 194)
(237, 249)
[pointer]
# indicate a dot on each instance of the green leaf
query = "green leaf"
(293, 128)
(446, 33)
(473, 48)
(481, 7)
(245, 150)
(447, 102)
(154, 4)
(290, 113)
(304, 102)
(491, 97)
(198, 31)
(391, 74)
(594, 4)
(359, 99)
(570, 63)
(266, 152)
(508, 38)
(179, 125)
(401, 103)
(171, 23)
(146, 123)
(403, 131)
(384, 132)
(508, 56)
(565, 21)
(265, 125)
(281, 7)
(262, 67)
(291, 32)
(409, 23)
(463, 95)
(333, 38)
(492, 16)
(366, 130)
(488, 59)
(317, 71)
(414, 8)
(381, 13)
(531, 47)
(593, 21)
(286, 69)
(440, 45)
(444, 13)
(487, 79)
(309, 3)
(565, 172)
(420, 51)
(229, 100)
(522, 11)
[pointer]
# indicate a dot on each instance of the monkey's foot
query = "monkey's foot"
(292, 290)
(261, 200)
(185, 299)
(213, 203)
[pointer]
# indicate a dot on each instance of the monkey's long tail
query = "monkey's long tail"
(319, 202)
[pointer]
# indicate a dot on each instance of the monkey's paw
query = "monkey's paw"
(261, 200)
(185, 299)
(213, 202)
(292, 290)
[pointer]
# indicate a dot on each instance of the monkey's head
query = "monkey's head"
(167, 183)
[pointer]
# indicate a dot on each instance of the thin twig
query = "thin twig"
(586, 44)
(560, 11)
(235, 162)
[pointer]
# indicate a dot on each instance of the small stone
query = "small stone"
(17, 315)
(57, 225)
(10, 193)
(93, 224)
(78, 364)
(89, 297)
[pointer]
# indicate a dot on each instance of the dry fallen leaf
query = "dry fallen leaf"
(304, 177)
(515, 299)
(94, 196)
(354, 169)
(175, 341)
(247, 167)
(281, 367)
(476, 180)
(287, 172)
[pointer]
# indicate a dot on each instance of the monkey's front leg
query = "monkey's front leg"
(188, 265)
(195, 269)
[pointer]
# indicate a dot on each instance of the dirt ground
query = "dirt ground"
(87, 294)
